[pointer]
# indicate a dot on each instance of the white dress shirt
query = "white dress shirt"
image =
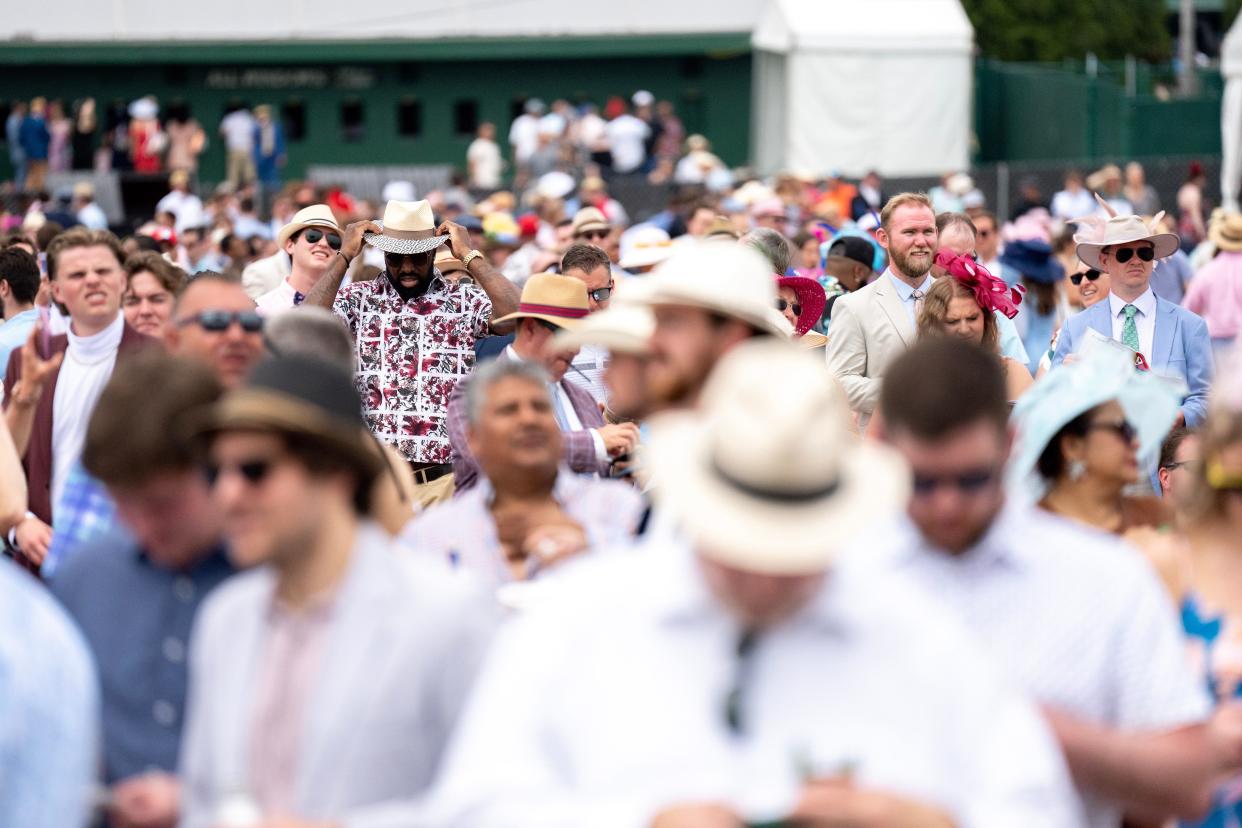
(1075, 617)
(607, 703)
(1144, 320)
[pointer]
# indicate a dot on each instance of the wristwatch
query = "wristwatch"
(470, 257)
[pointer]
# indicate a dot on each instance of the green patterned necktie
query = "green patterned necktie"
(1129, 330)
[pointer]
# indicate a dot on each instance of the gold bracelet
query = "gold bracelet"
(470, 257)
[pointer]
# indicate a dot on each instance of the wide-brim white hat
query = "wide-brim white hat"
(622, 328)
(644, 246)
(409, 228)
(729, 279)
(1124, 229)
(316, 215)
(767, 476)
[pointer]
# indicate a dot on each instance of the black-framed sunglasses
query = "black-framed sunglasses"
(1090, 275)
(1125, 254)
(1122, 429)
(1180, 464)
(968, 482)
(600, 294)
(593, 235)
(252, 471)
(216, 321)
(313, 236)
(781, 304)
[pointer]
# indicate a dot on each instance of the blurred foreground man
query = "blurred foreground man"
(739, 677)
(135, 601)
(323, 684)
(1075, 618)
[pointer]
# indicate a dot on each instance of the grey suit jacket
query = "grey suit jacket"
(870, 329)
(406, 638)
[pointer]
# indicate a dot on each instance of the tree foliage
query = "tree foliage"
(1058, 29)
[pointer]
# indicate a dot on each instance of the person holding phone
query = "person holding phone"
(312, 240)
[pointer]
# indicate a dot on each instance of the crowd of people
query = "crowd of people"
(797, 503)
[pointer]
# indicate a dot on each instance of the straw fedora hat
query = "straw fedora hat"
(316, 215)
(560, 300)
(447, 263)
(302, 396)
(624, 328)
(409, 228)
(590, 218)
(766, 475)
(727, 279)
(1123, 229)
(1226, 232)
(644, 247)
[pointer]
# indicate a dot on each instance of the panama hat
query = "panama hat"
(316, 215)
(766, 475)
(590, 218)
(644, 246)
(1124, 229)
(1226, 232)
(1102, 370)
(727, 279)
(560, 300)
(447, 263)
(301, 396)
(622, 328)
(409, 228)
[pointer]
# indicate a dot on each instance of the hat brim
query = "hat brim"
(592, 225)
(811, 297)
(405, 247)
(768, 320)
(769, 535)
(617, 342)
(289, 230)
(1223, 242)
(1166, 245)
(646, 258)
(253, 409)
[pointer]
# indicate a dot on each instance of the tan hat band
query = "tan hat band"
(408, 234)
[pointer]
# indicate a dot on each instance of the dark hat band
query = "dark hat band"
(553, 310)
(776, 495)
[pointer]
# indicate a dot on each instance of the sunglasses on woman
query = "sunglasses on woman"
(1122, 429)
(1090, 276)
(781, 304)
(313, 236)
(1125, 254)
(216, 321)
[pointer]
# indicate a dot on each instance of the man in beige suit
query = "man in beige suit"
(874, 325)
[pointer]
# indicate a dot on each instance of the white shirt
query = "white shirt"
(627, 135)
(485, 163)
(607, 702)
(524, 137)
(588, 370)
(1075, 617)
(87, 366)
(1144, 320)
(92, 215)
(276, 301)
(238, 130)
(185, 207)
(1067, 205)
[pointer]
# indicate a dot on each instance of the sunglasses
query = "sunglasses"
(216, 321)
(1090, 275)
(1181, 464)
(252, 471)
(1122, 429)
(313, 236)
(597, 235)
(968, 482)
(781, 304)
(1125, 254)
(600, 294)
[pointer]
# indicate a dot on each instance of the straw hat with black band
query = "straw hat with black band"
(302, 397)
(407, 229)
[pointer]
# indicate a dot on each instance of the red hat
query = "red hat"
(528, 225)
(811, 297)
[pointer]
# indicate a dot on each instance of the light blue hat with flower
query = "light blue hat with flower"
(1101, 371)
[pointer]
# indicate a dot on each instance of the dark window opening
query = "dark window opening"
(352, 126)
(517, 107)
(466, 117)
(409, 118)
(293, 116)
(692, 67)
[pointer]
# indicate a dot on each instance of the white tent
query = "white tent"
(854, 86)
(1231, 117)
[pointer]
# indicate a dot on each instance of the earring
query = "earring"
(1077, 469)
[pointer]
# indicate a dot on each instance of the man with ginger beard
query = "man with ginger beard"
(874, 325)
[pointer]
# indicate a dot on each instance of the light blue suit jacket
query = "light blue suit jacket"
(1180, 347)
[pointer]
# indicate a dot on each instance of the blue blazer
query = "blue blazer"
(1181, 346)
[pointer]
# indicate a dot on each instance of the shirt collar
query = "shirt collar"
(566, 486)
(903, 287)
(1146, 303)
(1000, 544)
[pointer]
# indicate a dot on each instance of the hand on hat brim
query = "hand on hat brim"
(404, 247)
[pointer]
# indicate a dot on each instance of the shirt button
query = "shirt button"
(174, 650)
(164, 713)
(183, 588)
